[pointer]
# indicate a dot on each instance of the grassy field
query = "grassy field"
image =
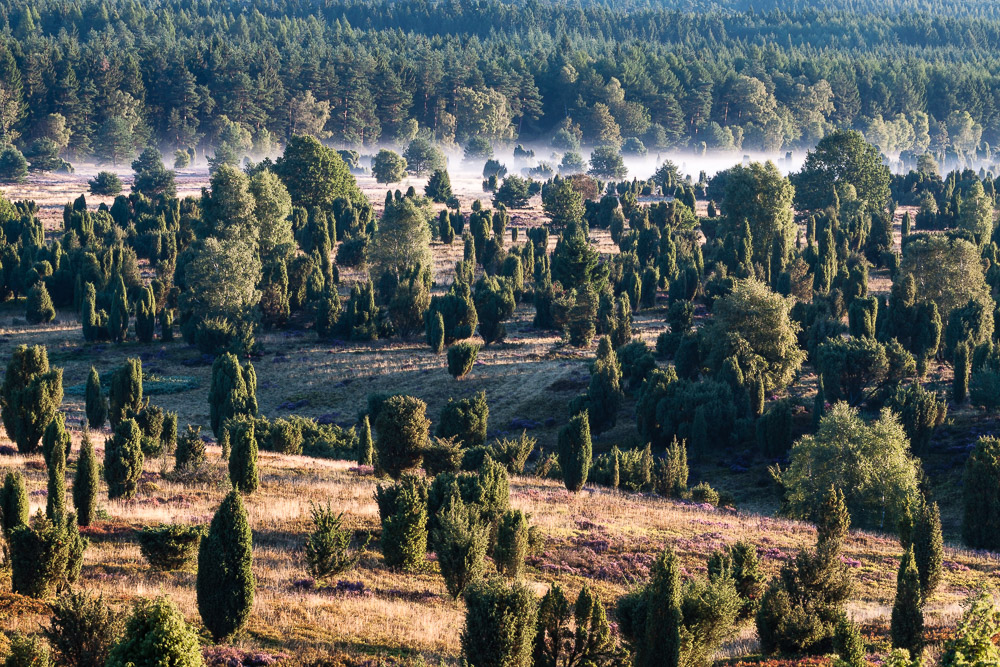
(599, 536)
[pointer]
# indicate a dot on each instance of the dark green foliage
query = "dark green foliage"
(928, 547)
(105, 184)
(687, 358)
(243, 472)
(702, 492)
(328, 549)
(457, 311)
(604, 395)
(119, 313)
(920, 412)
(27, 651)
(513, 541)
(86, 483)
(499, 624)
(283, 435)
(494, 300)
(465, 420)
(30, 396)
(39, 308)
(461, 357)
(671, 475)
(741, 563)
(233, 391)
(444, 455)
(13, 165)
(556, 644)
(848, 644)
(125, 393)
(82, 630)
(862, 315)
(460, 542)
(366, 448)
(156, 634)
(402, 509)
(56, 444)
(960, 382)
(851, 368)
(96, 403)
(512, 453)
(435, 331)
(402, 427)
(225, 583)
(190, 452)
(907, 625)
(438, 187)
(14, 508)
(123, 460)
(650, 619)
(575, 451)
(774, 430)
(45, 556)
(981, 496)
(168, 435)
(801, 608)
(170, 546)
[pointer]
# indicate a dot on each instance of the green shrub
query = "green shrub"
(82, 630)
(30, 396)
(928, 546)
(156, 634)
(190, 452)
(366, 448)
(460, 542)
(973, 642)
(575, 452)
(981, 495)
(14, 506)
(513, 541)
(123, 460)
(590, 643)
(125, 393)
(443, 455)
(106, 184)
(55, 444)
(671, 474)
(96, 403)
(703, 493)
(284, 436)
(45, 555)
(741, 563)
(512, 453)
(39, 308)
(402, 509)
(848, 644)
(774, 430)
(27, 652)
(500, 619)
(435, 331)
(170, 546)
(920, 411)
(465, 420)
(461, 357)
(243, 471)
(328, 546)
(225, 584)
(907, 623)
(402, 427)
(86, 483)
(604, 395)
(233, 391)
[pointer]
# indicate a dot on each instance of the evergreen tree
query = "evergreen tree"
(123, 460)
(55, 445)
(157, 634)
(243, 472)
(14, 506)
(461, 358)
(605, 395)
(402, 509)
(30, 396)
(119, 315)
(928, 547)
(651, 619)
(981, 495)
(39, 308)
(401, 426)
(125, 394)
(366, 448)
(513, 537)
(556, 644)
(460, 543)
(500, 626)
(85, 484)
(575, 451)
(233, 391)
(96, 402)
(494, 300)
(145, 316)
(465, 420)
(438, 187)
(435, 331)
(225, 584)
(960, 383)
(907, 627)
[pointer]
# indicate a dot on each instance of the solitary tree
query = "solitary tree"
(907, 626)
(575, 451)
(96, 402)
(30, 396)
(13, 502)
(225, 584)
(85, 484)
(243, 472)
(366, 448)
(499, 624)
(402, 427)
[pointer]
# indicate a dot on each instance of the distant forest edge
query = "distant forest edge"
(100, 79)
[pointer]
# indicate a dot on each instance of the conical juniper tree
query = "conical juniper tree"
(225, 584)
(233, 391)
(30, 396)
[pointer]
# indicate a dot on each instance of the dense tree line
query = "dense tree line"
(87, 79)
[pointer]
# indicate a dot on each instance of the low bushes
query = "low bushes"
(170, 546)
